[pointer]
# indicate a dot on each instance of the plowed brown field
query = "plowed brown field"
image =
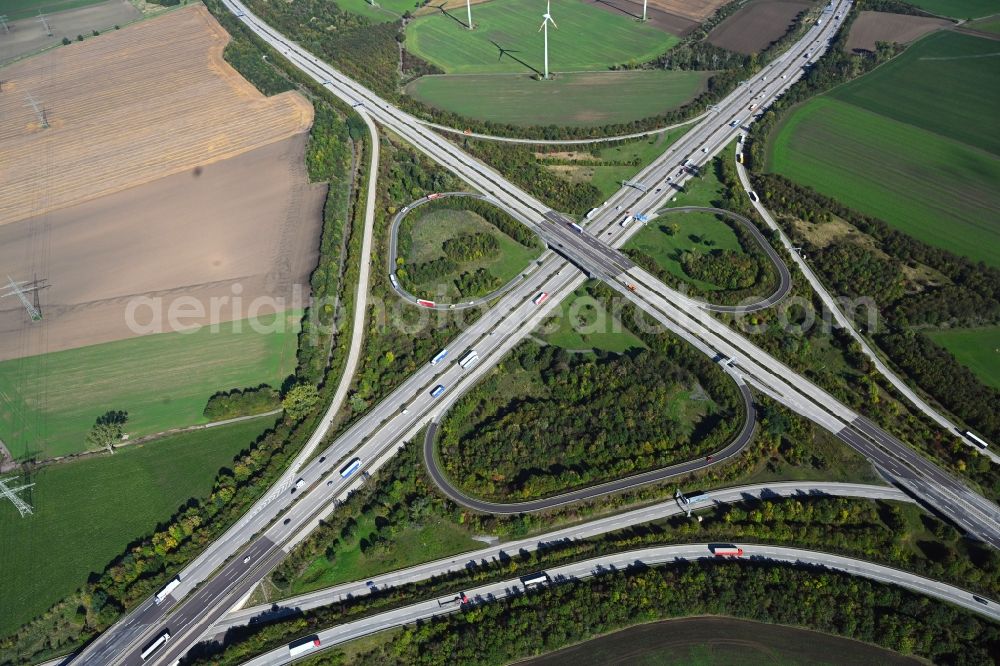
(872, 27)
(129, 107)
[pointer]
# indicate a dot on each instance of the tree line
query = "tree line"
(971, 296)
(242, 402)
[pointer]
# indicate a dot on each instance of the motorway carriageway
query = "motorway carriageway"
(643, 558)
(577, 532)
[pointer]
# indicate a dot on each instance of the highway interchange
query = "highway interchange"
(219, 578)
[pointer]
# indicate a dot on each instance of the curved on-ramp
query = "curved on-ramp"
(784, 275)
(394, 255)
(591, 492)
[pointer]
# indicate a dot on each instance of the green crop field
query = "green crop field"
(576, 99)
(914, 143)
(961, 9)
(430, 229)
(20, 9)
(697, 230)
(87, 511)
(976, 348)
(587, 39)
(48, 403)
(947, 83)
(938, 190)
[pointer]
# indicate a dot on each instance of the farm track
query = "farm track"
(127, 108)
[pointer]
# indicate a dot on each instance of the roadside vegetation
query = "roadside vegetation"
(880, 531)
(832, 602)
(461, 248)
(605, 165)
(583, 323)
(711, 256)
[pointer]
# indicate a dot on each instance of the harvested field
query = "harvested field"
(129, 107)
(871, 27)
(758, 24)
(27, 35)
(695, 10)
(249, 223)
(656, 17)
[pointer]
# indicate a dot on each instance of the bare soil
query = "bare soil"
(245, 227)
(871, 27)
(694, 10)
(128, 107)
(28, 35)
(761, 22)
(666, 21)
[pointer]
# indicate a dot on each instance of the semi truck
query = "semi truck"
(165, 592)
(726, 550)
(469, 359)
(160, 641)
(439, 357)
(303, 646)
(350, 468)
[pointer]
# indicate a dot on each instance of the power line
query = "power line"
(45, 23)
(39, 110)
(11, 493)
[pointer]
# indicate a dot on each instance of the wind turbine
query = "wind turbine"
(546, 19)
(468, 8)
(644, 9)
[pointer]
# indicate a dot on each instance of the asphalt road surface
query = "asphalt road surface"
(646, 557)
(587, 530)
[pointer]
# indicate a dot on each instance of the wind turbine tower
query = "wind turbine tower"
(644, 9)
(546, 19)
(468, 8)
